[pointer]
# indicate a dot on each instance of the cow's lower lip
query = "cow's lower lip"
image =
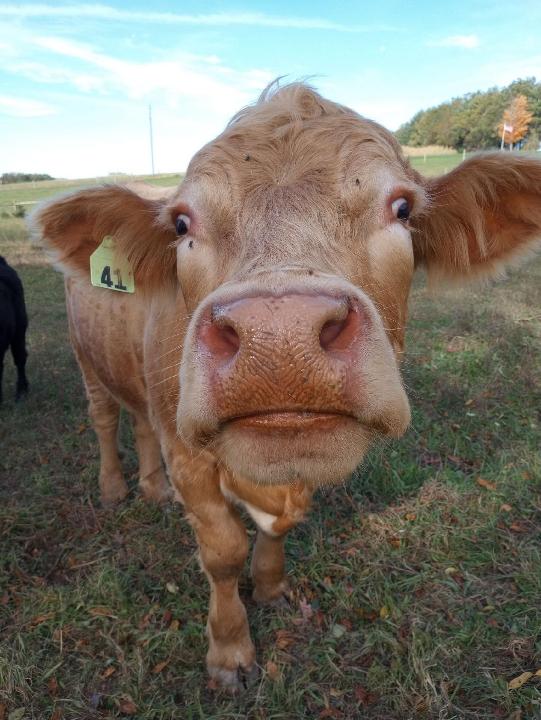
(287, 421)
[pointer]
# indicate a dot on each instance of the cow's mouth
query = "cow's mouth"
(290, 421)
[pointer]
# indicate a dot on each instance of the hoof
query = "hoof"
(278, 597)
(233, 681)
(113, 491)
(157, 491)
(21, 393)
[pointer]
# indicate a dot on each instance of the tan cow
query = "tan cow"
(260, 352)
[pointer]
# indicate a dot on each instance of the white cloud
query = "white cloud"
(185, 76)
(463, 41)
(106, 12)
(23, 107)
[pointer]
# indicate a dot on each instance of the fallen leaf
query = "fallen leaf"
(394, 541)
(174, 625)
(284, 638)
(519, 681)
(127, 706)
(273, 671)
(52, 685)
(410, 516)
(160, 666)
(81, 429)
(518, 527)
(451, 570)
(39, 619)
(145, 620)
(172, 587)
(101, 611)
(331, 713)
(364, 696)
(485, 484)
(384, 612)
(504, 507)
(306, 609)
(111, 670)
(338, 630)
(167, 617)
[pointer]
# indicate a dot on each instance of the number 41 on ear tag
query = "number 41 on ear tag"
(110, 270)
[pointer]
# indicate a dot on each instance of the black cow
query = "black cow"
(13, 324)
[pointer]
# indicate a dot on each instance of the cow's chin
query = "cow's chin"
(280, 448)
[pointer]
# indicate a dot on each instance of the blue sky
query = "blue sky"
(76, 78)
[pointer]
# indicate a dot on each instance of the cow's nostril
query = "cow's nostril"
(221, 340)
(339, 334)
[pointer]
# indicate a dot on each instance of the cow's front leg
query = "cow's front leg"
(223, 546)
(268, 568)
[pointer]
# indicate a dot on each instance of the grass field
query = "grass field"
(435, 164)
(420, 580)
(13, 193)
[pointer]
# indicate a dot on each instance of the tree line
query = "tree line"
(13, 177)
(474, 121)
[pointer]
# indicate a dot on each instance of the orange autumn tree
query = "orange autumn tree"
(518, 117)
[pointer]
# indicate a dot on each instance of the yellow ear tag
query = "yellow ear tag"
(110, 270)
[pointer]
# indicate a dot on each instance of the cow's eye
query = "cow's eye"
(182, 225)
(401, 209)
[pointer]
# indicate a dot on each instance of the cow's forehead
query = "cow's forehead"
(309, 152)
(297, 137)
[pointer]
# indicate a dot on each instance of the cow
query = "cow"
(260, 352)
(13, 325)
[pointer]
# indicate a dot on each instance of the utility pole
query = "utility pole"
(151, 138)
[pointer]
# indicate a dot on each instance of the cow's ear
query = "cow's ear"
(72, 227)
(480, 216)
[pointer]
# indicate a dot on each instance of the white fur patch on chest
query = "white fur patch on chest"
(262, 519)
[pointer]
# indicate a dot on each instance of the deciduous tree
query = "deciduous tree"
(517, 117)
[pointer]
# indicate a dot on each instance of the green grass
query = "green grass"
(435, 164)
(424, 585)
(35, 191)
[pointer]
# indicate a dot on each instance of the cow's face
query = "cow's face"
(295, 260)
(292, 244)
